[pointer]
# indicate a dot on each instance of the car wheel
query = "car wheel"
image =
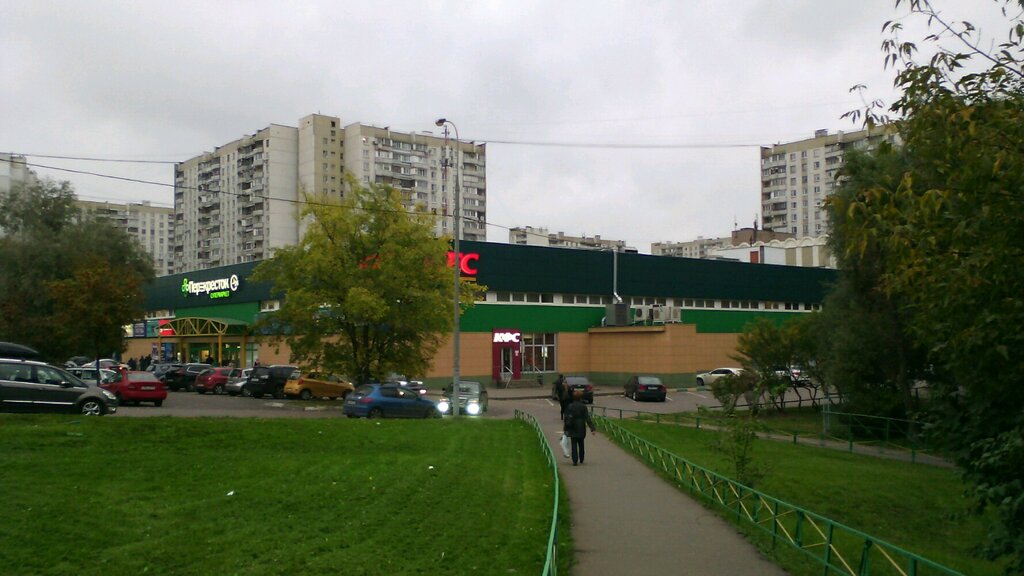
(246, 392)
(700, 382)
(375, 413)
(306, 394)
(92, 408)
(634, 397)
(158, 403)
(190, 388)
(279, 393)
(218, 389)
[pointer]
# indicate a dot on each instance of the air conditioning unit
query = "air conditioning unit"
(642, 314)
(665, 314)
(616, 314)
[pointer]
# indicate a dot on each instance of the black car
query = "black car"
(269, 380)
(645, 388)
(582, 384)
(29, 386)
(184, 376)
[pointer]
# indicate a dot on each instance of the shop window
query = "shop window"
(518, 297)
(502, 297)
(532, 297)
(539, 353)
(547, 298)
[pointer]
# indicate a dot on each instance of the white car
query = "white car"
(707, 378)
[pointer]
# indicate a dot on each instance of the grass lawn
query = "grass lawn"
(251, 496)
(917, 507)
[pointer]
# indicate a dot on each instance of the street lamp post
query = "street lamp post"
(456, 216)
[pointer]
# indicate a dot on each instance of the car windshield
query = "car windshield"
(576, 381)
(469, 387)
(142, 377)
(649, 380)
(364, 390)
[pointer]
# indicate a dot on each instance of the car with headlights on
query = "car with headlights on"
(318, 385)
(472, 399)
(709, 377)
(215, 379)
(406, 382)
(388, 400)
(30, 386)
(137, 386)
(645, 388)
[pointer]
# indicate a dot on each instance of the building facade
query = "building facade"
(530, 236)
(546, 311)
(707, 247)
(14, 171)
(152, 226)
(242, 201)
(796, 177)
(809, 251)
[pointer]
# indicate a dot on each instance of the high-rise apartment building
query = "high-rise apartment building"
(242, 201)
(14, 170)
(530, 236)
(151, 226)
(797, 176)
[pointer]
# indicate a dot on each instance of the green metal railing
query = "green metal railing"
(551, 558)
(841, 428)
(837, 548)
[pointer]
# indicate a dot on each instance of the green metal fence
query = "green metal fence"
(837, 548)
(551, 557)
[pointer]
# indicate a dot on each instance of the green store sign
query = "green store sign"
(219, 288)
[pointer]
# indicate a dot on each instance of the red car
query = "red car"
(215, 379)
(136, 387)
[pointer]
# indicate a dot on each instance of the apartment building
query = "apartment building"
(796, 177)
(530, 236)
(14, 171)
(242, 201)
(152, 226)
(706, 247)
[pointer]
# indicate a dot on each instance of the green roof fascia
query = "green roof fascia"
(165, 291)
(515, 268)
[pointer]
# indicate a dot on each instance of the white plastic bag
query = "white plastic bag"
(566, 445)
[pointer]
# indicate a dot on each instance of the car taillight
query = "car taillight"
(365, 400)
(589, 388)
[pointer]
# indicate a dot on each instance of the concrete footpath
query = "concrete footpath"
(628, 521)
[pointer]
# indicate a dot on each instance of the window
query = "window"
(539, 352)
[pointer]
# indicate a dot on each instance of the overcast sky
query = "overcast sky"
(147, 80)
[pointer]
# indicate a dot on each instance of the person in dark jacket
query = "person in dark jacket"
(564, 396)
(577, 420)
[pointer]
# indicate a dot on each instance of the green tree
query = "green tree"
(948, 233)
(367, 290)
(68, 284)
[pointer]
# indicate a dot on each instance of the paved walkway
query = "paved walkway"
(628, 521)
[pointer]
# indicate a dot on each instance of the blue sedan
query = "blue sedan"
(388, 401)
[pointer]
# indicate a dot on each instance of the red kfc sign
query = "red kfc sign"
(467, 262)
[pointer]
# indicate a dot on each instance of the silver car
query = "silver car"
(707, 378)
(236, 386)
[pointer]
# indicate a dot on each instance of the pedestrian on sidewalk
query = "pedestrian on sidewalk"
(564, 396)
(577, 420)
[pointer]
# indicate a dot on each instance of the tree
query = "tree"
(68, 284)
(948, 230)
(367, 289)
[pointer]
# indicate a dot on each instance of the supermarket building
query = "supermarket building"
(546, 311)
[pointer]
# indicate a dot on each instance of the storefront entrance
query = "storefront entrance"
(506, 355)
(220, 342)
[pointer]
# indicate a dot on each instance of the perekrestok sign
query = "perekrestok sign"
(219, 288)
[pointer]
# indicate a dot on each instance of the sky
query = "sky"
(546, 84)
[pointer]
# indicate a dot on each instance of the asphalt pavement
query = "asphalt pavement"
(628, 521)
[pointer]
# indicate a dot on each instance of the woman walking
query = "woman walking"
(577, 420)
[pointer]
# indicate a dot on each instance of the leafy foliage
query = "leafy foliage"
(367, 290)
(938, 225)
(68, 284)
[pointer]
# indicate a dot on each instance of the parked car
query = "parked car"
(184, 376)
(472, 398)
(406, 382)
(236, 386)
(316, 385)
(794, 374)
(30, 386)
(215, 379)
(583, 384)
(388, 401)
(159, 369)
(645, 388)
(88, 375)
(137, 386)
(76, 361)
(707, 378)
(15, 350)
(269, 380)
(106, 363)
